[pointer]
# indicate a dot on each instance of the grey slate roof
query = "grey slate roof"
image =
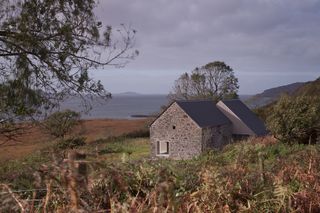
(247, 116)
(204, 113)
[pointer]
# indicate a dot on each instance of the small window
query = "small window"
(173, 127)
(162, 148)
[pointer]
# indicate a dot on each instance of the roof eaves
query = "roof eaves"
(207, 126)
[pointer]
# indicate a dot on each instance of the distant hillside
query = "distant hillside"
(311, 88)
(270, 95)
(245, 97)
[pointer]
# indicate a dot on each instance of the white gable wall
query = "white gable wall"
(238, 126)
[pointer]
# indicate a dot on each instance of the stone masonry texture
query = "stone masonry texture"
(186, 139)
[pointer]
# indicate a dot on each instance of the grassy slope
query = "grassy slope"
(114, 149)
(257, 175)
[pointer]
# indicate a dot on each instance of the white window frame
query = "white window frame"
(159, 150)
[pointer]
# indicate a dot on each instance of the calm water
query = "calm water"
(119, 106)
(122, 107)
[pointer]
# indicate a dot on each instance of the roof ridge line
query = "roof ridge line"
(200, 100)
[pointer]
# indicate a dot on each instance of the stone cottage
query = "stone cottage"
(188, 128)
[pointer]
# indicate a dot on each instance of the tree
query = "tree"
(48, 48)
(214, 81)
(14, 105)
(59, 124)
(295, 119)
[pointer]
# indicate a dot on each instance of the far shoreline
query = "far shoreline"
(138, 117)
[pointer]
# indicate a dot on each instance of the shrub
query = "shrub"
(61, 123)
(71, 143)
(295, 120)
(142, 133)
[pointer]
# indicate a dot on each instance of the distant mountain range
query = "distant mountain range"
(127, 94)
(268, 96)
(135, 94)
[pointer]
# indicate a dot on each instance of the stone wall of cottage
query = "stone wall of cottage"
(216, 137)
(182, 133)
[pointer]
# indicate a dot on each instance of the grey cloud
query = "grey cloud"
(279, 36)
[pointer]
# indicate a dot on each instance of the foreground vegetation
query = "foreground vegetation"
(258, 175)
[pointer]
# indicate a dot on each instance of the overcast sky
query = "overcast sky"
(267, 42)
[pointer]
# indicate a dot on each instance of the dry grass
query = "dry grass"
(243, 177)
(34, 139)
(104, 128)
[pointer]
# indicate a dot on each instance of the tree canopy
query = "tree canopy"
(215, 81)
(48, 48)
